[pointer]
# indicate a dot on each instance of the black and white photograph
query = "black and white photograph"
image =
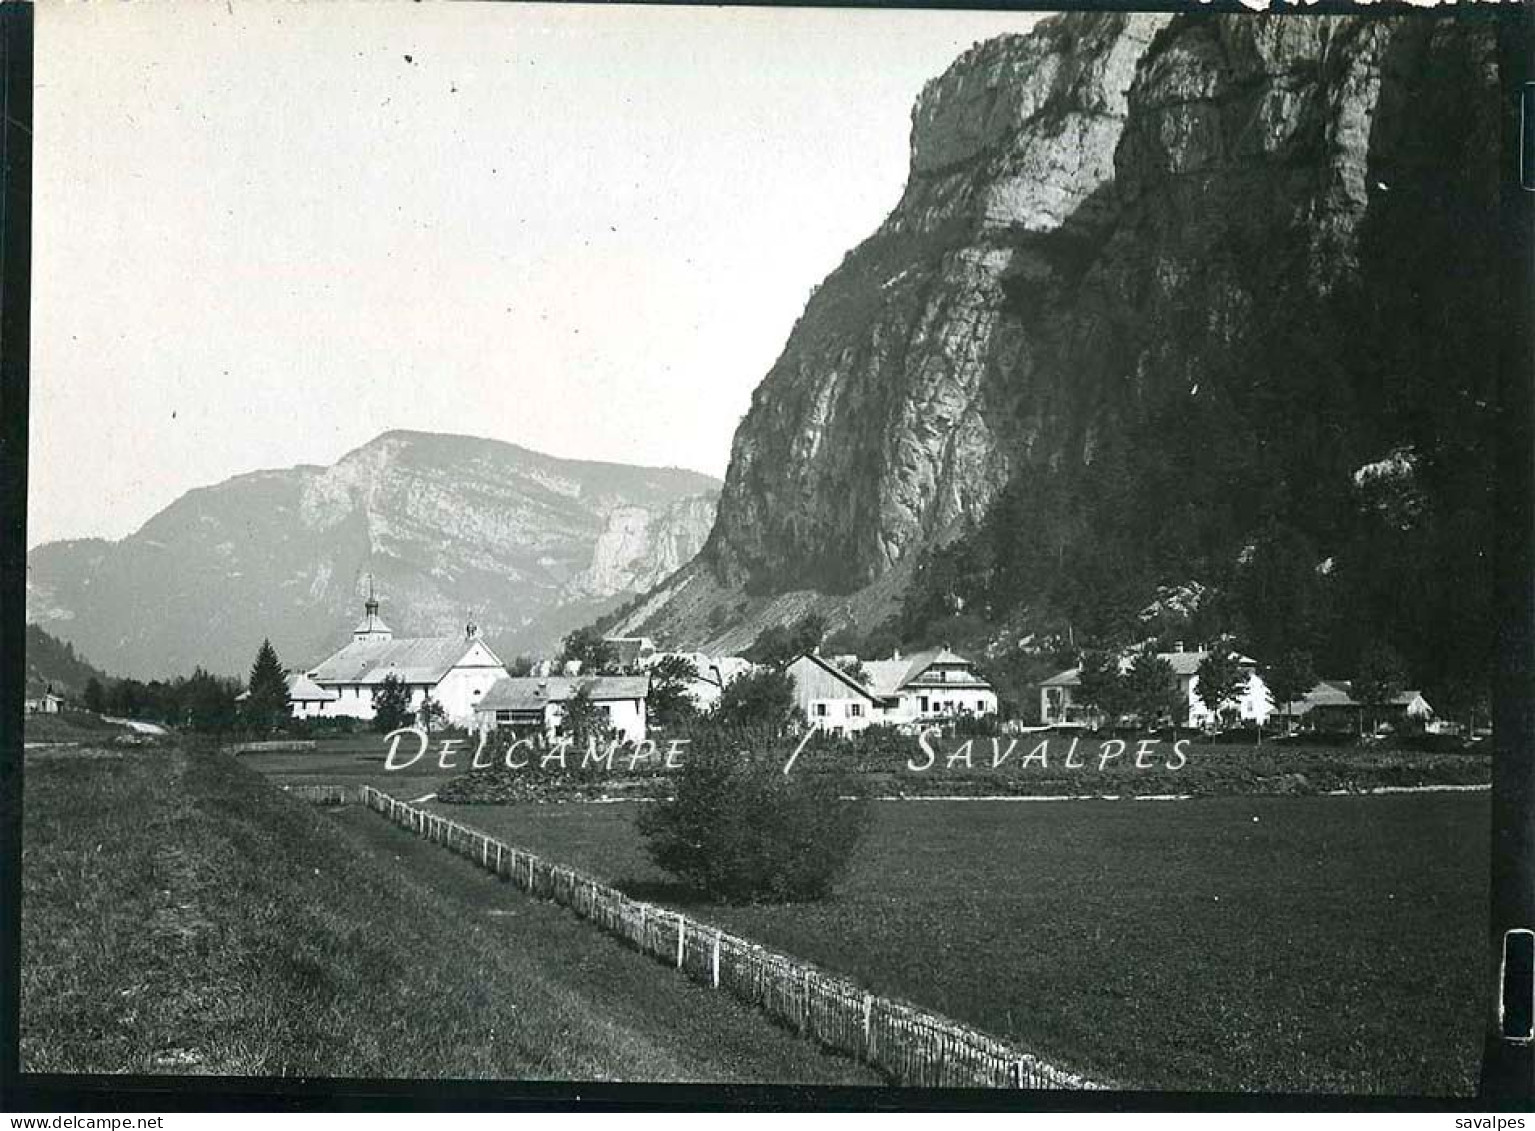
(843, 553)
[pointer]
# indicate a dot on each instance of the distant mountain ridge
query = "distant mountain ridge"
(451, 528)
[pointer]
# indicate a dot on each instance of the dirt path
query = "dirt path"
(707, 1035)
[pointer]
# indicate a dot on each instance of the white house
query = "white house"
(455, 671)
(1057, 695)
(830, 698)
(537, 703)
(307, 699)
(929, 687)
(713, 673)
(45, 704)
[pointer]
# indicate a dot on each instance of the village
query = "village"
(918, 553)
(459, 682)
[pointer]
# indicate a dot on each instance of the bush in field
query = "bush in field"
(740, 830)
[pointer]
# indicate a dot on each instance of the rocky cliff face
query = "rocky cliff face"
(886, 418)
(1113, 222)
(452, 528)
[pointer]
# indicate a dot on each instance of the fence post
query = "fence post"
(714, 962)
(868, 1027)
(1017, 1073)
(682, 934)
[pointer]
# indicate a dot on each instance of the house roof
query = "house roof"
(302, 689)
(1071, 677)
(837, 673)
(530, 693)
(891, 676)
(419, 659)
(1183, 664)
(1339, 693)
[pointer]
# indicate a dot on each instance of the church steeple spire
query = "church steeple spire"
(371, 628)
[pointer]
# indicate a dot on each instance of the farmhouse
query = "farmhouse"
(536, 704)
(45, 704)
(712, 673)
(1057, 695)
(1330, 705)
(455, 671)
(307, 698)
(932, 686)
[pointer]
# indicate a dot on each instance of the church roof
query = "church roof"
(372, 623)
(419, 659)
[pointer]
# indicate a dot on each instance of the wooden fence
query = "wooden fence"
(274, 745)
(326, 794)
(910, 1045)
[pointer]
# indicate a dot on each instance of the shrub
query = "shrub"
(740, 830)
(391, 705)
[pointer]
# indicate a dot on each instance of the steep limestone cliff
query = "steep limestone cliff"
(1140, 261)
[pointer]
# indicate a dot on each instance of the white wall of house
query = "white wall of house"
(829, 700)
(353, 701)
(311, 709)
(924, 702)
(842, 715)
(1254, 706)
(626, 716)
(465, 682)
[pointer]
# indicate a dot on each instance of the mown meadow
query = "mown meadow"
(182, 916)
(1293, 944)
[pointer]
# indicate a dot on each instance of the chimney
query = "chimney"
(1178, 647)
(896, 654)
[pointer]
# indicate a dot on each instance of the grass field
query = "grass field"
(181, 916)
(72, 726)
(353, 760)
(1292, 944)
(1209, 769)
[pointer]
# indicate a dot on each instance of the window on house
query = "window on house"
(855, 710)
(820, 710)
(503, 716)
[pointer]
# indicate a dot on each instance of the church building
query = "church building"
(454, 671)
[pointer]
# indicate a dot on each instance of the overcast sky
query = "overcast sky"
(267, 232)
